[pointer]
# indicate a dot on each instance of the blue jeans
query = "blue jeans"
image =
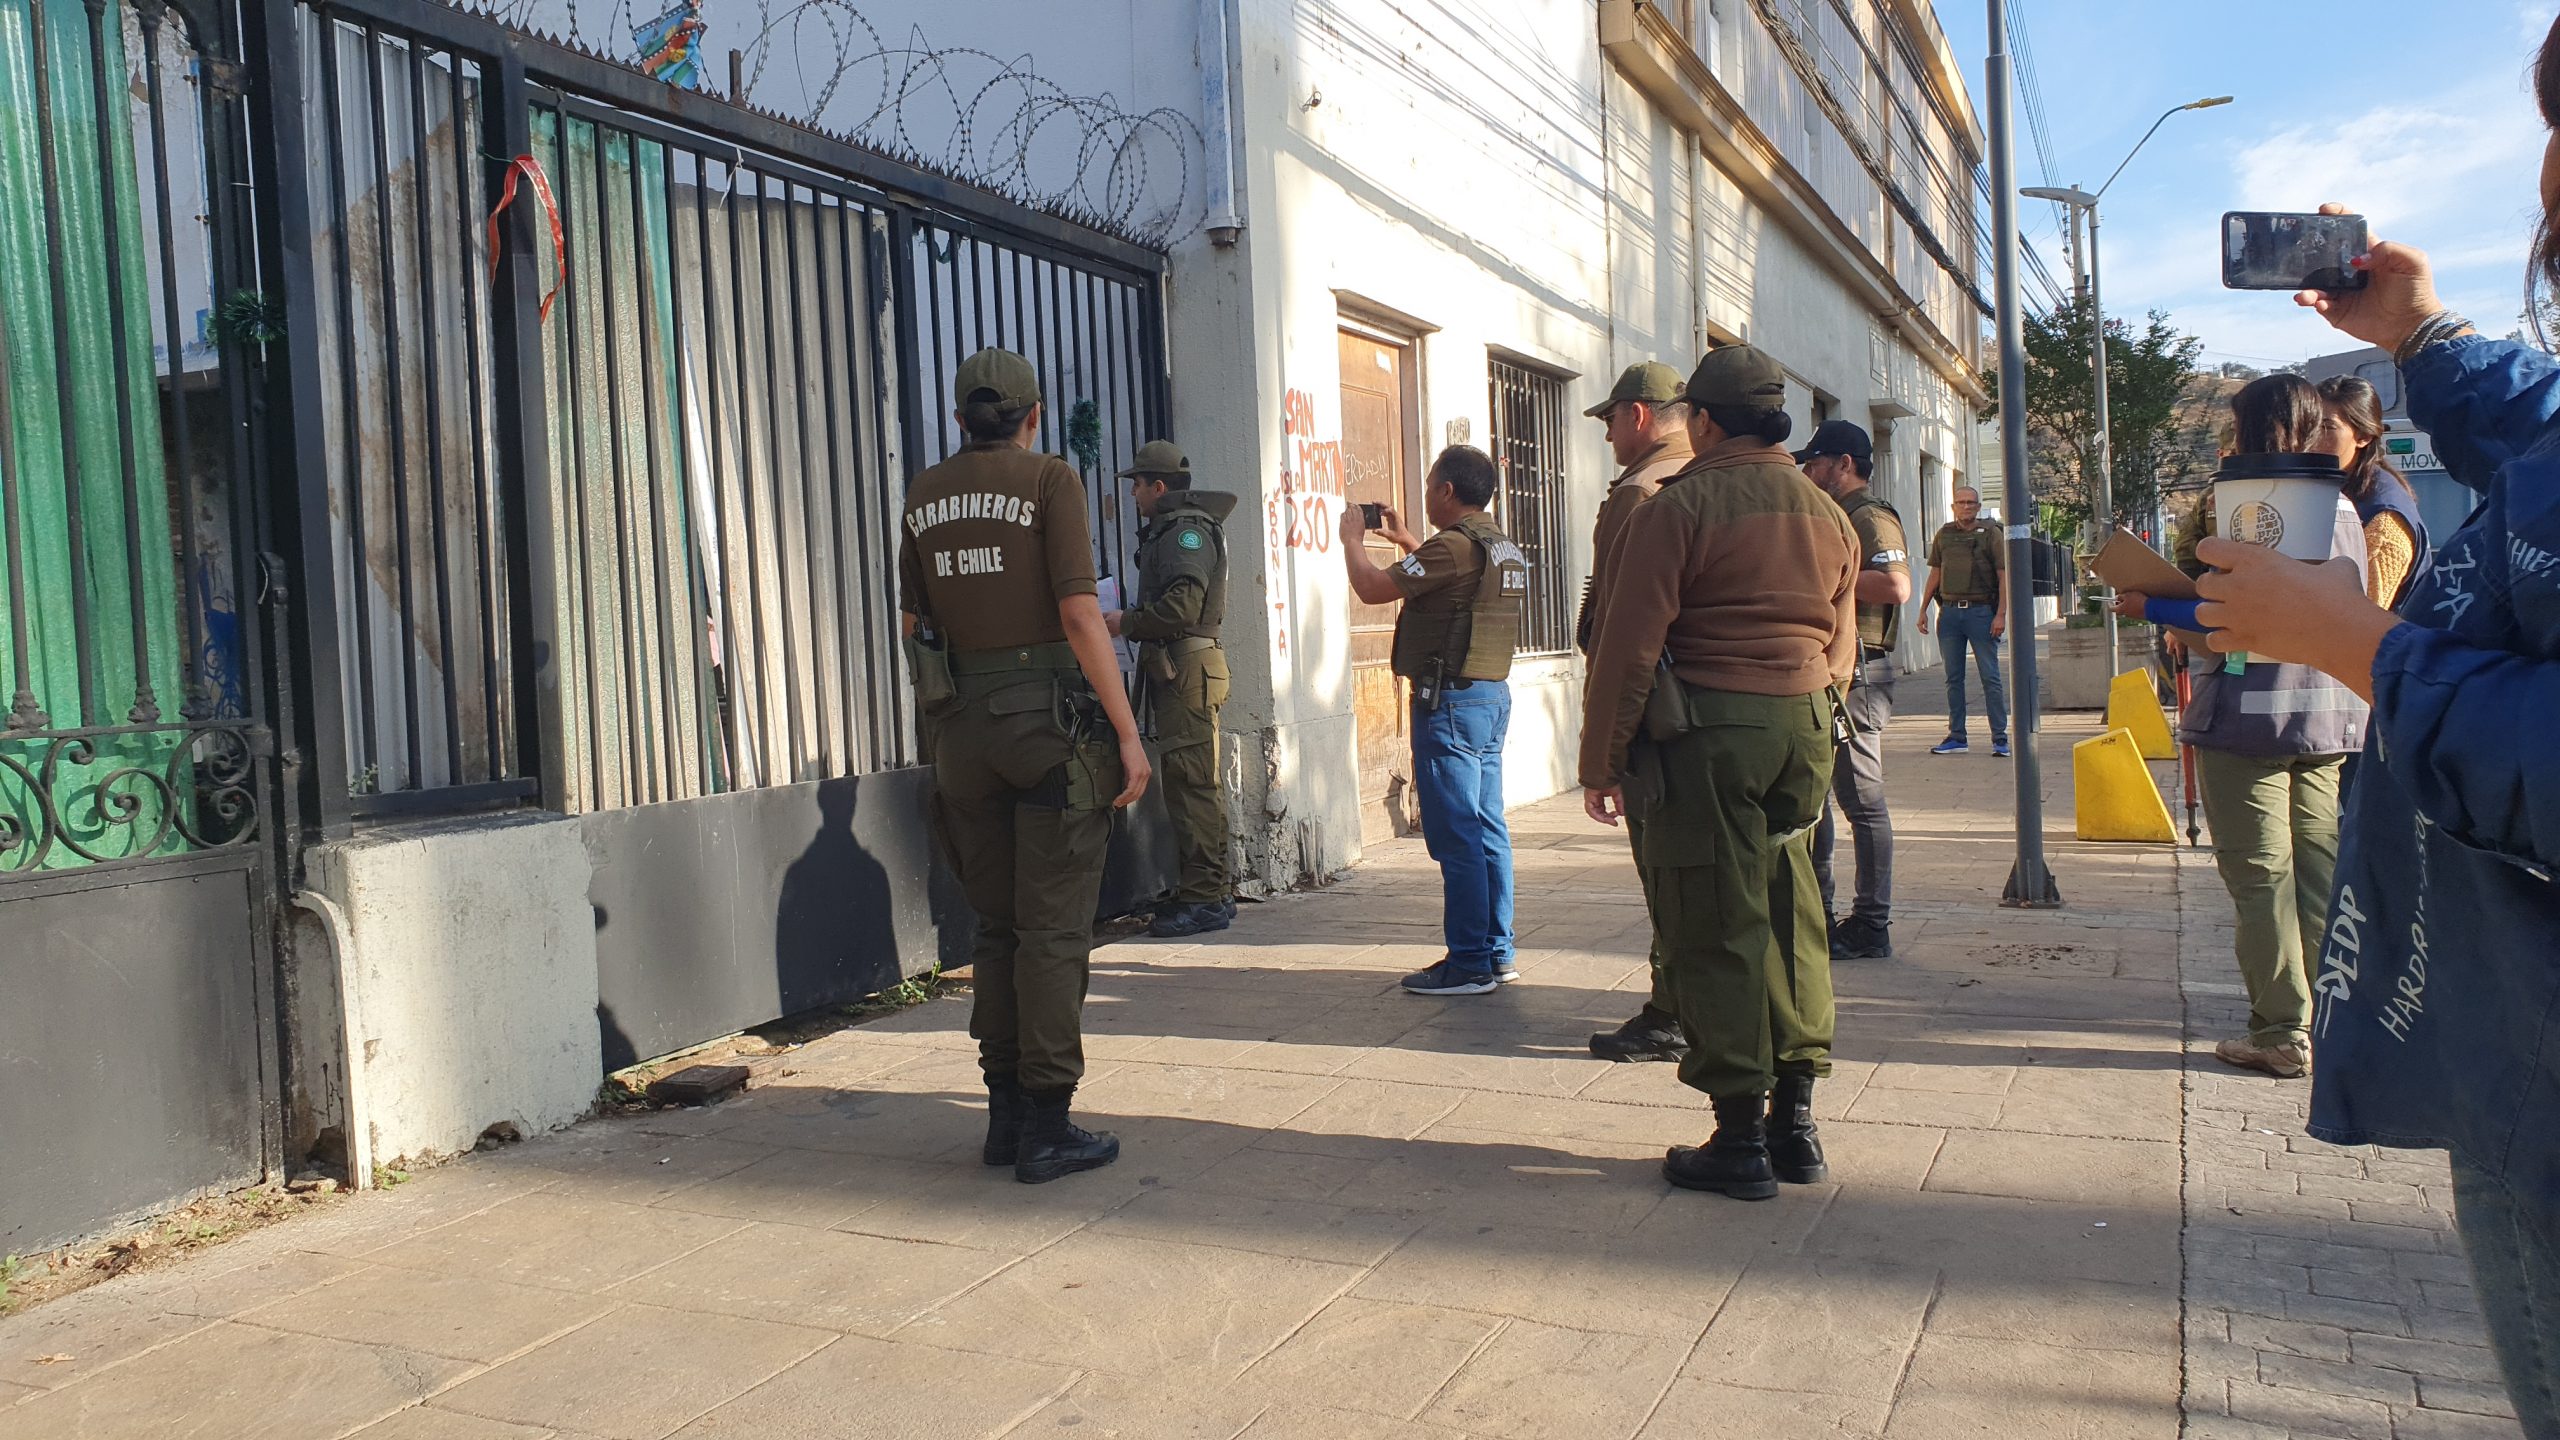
(1457, 764)
(2517, 1270)
(1960, 627)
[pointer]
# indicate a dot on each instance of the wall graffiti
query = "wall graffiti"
(1301, 516)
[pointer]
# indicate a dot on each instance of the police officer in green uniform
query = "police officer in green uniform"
(1034, 746)
(1182, 600)
(1842, 460)
(1462, 591)
(1743, 574)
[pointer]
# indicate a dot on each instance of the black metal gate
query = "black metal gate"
(604, 477)
(138, 845)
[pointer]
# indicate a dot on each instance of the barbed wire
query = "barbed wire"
(963, 112)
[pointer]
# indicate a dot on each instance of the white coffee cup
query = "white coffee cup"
(2287, 503)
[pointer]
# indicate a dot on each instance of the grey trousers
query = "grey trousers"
(1857, 788)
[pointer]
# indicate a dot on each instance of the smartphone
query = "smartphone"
(1373, 514)
(2265, 250)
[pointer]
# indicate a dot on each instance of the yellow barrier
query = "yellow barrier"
(2133, 704)
(2112, 792)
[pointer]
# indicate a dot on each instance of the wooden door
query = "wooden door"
(1377, 465)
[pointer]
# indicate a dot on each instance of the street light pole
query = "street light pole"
(2080, 201)
(2030, 883)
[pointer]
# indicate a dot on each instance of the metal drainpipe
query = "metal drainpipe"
(1217, 112)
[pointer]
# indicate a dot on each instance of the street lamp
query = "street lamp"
(2085, 282)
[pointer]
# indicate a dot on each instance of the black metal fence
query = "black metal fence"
(131, 729)
(611, 504)
(1529, 444)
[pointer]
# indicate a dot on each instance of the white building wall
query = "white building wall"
(1477, 171)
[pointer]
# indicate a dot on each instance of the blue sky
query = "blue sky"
(2421, 117)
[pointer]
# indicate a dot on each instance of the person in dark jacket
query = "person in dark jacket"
(2438, 1020)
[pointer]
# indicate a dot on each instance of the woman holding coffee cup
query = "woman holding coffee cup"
(2438, 1020)
(2272, 739)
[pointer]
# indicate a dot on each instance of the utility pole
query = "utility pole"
(2030, 883)
(2106, 517)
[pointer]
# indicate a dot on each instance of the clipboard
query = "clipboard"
(2126, 563)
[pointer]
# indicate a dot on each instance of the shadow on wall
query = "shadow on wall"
(834, 912)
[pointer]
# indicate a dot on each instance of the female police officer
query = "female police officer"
(1743, 574)
(1014, 666)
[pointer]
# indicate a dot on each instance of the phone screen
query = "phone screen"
(2273, 251)
(1373, 514)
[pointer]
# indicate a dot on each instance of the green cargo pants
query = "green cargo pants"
(1186, 714)
(1024, 813)
(1658, 1006)
(2275, 840)
(1727, 855)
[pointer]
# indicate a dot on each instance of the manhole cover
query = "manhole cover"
(2047, 959)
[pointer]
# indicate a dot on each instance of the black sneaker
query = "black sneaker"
(1857, 939)
(1192, 919)
(1446, 978)
(1646, 1037)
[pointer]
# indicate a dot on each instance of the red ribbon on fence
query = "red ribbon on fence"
(526, 167)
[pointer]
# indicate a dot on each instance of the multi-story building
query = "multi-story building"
(1456, 220)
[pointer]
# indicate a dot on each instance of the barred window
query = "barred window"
(1529, 445)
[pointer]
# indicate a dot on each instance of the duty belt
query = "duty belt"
(1182, 645)
(1053, 655)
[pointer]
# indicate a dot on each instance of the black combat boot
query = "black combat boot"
(1053, 1145)
(1651, 1035)
(1795, 1150)
(1004, 1120)
(1735, 1160)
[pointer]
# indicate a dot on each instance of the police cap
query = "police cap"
(1741, 376)
(1158, 457)
(1650, 381)
(1015, 385)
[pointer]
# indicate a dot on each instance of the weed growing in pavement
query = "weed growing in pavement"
(11, 1267)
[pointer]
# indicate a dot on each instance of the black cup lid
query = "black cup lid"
(2282, 466)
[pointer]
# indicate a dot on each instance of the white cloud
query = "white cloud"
(2397, 164)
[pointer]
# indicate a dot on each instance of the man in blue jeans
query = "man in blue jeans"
(1462, 591)
(1965, 563)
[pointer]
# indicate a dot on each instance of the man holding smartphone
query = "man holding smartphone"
(1462, 591)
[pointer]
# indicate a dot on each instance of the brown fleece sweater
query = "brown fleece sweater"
(1746, 571)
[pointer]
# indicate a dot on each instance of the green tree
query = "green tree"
(2149, 372)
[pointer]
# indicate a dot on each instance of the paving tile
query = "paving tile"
(1378, 1357)
(1137, 1307)
(637, 1374)
(1817, 1326)
(1312, 1422)
(558, 1240)
(1118, 1408)
(1306, 1229)
(1698, 1408)
(804, 1187)
(1363, 1119)
(827, 1279)
(2037, 1241)
(2473, 1396)
(230, 1380)
(1581, 1184)
(620, 1161)
(1933, 1108)
(1893, 1157)
(1254, 1100)
(367, 1221)
(96, 1328)
(883, 1390)
(1537, 1380)
(1477, 1063)
(425, 1422)
(1960, 1386)
(894, 1118)
(984, 1208)
(2453, 1425)
(460, 1317)
(1265, 1173)
(2118, 1103)
(228, 1279)
(2345, 1416)
(2069, 1169)
(1633, 1283)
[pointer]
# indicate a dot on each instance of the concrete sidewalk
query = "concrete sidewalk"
(1345, 1212)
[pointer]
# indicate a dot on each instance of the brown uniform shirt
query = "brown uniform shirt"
(994, 538)
(1636, 485)
(1745, 571)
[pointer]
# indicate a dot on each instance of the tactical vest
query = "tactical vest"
(1213, 605)
(2275, 711)
(1478, 638)
(1984, 547)
(1892, 635)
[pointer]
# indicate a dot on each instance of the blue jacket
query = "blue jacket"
(2439, 981)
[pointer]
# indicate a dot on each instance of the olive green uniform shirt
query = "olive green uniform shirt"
(994, 538)
(1880, 547)
(1968, 561)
